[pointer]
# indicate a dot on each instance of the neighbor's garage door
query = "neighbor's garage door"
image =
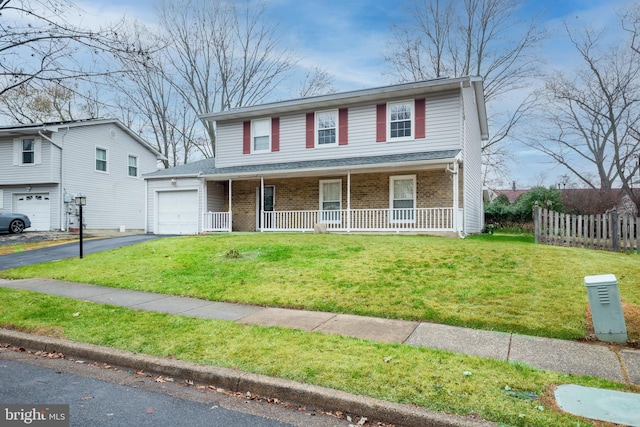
(37, 208)
(177, 212)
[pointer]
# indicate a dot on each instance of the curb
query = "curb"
(238, 381)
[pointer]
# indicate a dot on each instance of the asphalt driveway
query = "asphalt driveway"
(70, 250)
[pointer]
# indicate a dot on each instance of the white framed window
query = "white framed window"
(101, 159)
(261, 135)
(28, 151)
(402, 198)
(133, 166)
(331, 201)
(326, 128)
(400, 120)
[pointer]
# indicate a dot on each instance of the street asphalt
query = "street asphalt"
(615, 363)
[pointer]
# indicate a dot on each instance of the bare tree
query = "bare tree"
(149, 103)
(38, 102)
(591, 113)
(223, 55)
(29, 104)
(452, 38)
(40, 44)
(317, 81)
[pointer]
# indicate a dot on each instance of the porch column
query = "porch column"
(261, 201)
(456, 202)
(230, 208)
(348, 201)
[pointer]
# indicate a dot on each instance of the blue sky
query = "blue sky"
(349, 39)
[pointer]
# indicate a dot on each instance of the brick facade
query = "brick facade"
(368, 191)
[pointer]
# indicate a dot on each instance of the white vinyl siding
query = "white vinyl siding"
(156, 186)
(443, 122)
(471, 200)
(114, 199)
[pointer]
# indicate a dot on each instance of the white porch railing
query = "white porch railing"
(216, 221)
(424, 219)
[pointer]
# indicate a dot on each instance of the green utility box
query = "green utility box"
(606, 308)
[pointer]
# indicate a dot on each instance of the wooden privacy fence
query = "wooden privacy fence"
(610, 231)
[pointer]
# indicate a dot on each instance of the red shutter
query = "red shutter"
(275, 134)
(381, 122)
(246, 138)
(311, 130)
(343, 126)
(420, 118)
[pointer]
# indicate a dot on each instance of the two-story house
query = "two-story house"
(395, 158)
(43, 166)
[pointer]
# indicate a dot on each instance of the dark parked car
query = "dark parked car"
(14, 222)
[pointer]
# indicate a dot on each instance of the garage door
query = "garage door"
(177, 212)
(37, 208)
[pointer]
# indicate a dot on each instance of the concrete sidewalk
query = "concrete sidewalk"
(620, 365)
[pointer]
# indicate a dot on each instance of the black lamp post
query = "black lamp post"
(81, 201)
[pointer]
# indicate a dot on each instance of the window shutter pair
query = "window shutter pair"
(275, 135)
(343, 128)
(17, 151)
(419, 117)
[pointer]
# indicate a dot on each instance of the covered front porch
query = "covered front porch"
(425, 199)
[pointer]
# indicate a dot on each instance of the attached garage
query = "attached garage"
(177, 212)
(37, 207)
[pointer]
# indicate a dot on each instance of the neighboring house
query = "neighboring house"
(43, 166)
(395, 158)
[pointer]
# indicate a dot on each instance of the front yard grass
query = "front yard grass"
(511, 394)
(502, 283)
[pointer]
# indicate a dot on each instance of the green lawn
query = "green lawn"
(503, 283)
(512, 394)
(493, 282)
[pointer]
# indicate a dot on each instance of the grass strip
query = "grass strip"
(509, 393)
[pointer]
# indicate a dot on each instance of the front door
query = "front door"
(268, 202)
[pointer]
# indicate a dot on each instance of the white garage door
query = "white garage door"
(177, 212)
(37, 208)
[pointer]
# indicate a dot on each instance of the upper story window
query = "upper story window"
(101, 159)
(28, 151)
(326, 125)
(400, 120)
(133, 166)
(261, 135)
